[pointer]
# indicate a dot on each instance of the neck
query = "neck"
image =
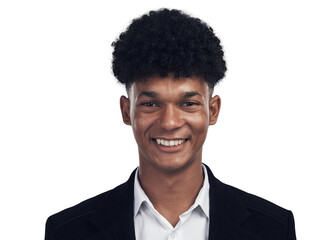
(172, 193)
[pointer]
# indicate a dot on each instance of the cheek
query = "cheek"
(199, 122)
(140, 125)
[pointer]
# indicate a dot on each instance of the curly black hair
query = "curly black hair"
(168, 42)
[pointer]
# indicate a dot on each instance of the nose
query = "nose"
(170, 118)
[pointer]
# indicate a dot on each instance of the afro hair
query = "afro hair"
(168, 42)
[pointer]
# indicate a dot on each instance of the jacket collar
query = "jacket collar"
(227, 212)
(114, 217)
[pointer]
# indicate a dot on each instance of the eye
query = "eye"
(149, 104)
(189, 104)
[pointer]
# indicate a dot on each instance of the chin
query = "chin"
(173, 165)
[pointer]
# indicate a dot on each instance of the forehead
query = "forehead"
(169, 86)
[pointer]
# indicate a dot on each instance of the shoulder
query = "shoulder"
(107, 201)
(234, 197)
(233, 207)
(265, 218)
(82, 210)
(86, 218)
(258, 205)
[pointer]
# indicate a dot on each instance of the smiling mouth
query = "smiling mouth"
(170, 143)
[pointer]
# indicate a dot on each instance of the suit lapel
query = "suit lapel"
(114, 215)
(227, 213)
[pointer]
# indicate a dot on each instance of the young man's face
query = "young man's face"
(170, 119)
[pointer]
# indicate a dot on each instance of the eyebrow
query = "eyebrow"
(150, 94)
(153, 94)
(190, 94)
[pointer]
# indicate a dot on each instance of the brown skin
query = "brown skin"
(170, 109)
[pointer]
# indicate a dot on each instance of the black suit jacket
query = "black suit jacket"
(234, 215)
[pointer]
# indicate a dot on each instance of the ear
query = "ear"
(214, 109)
(125, 110)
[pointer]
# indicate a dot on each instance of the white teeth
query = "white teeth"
(169, 143)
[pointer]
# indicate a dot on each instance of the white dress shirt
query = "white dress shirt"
(151, 225)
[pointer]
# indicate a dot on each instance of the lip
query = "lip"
(166, 138)
(171, 149)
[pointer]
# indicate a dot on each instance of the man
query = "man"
(170, 63)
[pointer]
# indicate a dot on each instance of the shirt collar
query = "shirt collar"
(139, 194)
(201, 200)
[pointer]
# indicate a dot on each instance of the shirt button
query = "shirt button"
(173, 234)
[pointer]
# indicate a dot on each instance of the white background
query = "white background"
(62, 139)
